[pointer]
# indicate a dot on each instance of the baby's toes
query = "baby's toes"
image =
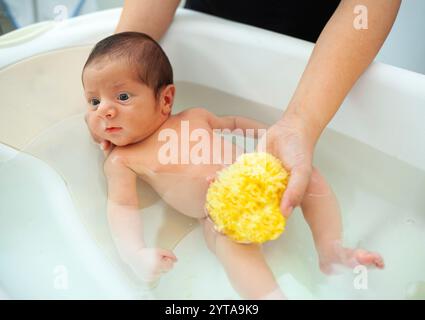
(369, 258)
(379, 261)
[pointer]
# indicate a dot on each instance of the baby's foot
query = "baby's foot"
(350, 258)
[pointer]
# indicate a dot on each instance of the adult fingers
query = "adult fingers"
(297, 185)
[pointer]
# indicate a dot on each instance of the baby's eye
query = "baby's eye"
(123, 96)
(94, 102)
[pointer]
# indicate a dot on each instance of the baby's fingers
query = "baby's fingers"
(166, 254)
(106, 147)
(210, 179)
(167, 264)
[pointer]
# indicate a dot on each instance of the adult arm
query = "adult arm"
(340, 56)
(152, 17)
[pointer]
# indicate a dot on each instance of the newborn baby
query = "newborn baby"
(128, 84)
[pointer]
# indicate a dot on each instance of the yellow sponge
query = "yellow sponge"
(244, 199)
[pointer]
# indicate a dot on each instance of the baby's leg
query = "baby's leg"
(244, 264)
(321, 211)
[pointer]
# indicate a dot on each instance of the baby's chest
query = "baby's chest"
(198, 153)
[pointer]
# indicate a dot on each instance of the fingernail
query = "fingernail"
(101, 147)
(287, 211)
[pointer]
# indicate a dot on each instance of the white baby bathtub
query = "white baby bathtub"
(54, 240)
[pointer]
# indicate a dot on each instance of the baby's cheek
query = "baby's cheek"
(95, 126)
(89, 118)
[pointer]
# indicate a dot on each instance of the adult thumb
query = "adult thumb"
(297, 185)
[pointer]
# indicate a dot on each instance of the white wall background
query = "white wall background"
(405, 45)
(26, 12)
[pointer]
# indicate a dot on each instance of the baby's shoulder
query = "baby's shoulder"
(122, 155)
(195, 112)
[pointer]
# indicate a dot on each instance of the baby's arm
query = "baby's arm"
(249, 127)
(126, 224)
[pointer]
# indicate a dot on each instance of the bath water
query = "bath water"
(382, 206)
(381, 199)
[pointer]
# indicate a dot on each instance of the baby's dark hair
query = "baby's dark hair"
(151, 63)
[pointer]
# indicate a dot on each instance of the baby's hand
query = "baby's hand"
(150, 263)
(105, 145)
(210, 179)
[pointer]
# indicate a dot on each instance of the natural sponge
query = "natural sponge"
(244, 199)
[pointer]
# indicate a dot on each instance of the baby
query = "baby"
(128, 84)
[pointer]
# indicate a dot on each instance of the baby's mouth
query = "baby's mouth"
(112, 129)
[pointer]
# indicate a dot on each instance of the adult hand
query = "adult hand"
(291, 141)
(329, 75)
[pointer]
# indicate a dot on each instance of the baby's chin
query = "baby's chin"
(122, 141)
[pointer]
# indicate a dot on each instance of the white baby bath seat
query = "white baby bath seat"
(54, 239)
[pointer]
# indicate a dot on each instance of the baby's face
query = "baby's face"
(121, 108)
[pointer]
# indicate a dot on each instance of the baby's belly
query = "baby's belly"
(184, 186)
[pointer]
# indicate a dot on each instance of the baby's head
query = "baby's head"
(128, 84)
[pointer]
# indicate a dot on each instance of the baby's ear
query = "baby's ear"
(167, 98)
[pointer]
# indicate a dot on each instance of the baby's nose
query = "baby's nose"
(107, 110)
